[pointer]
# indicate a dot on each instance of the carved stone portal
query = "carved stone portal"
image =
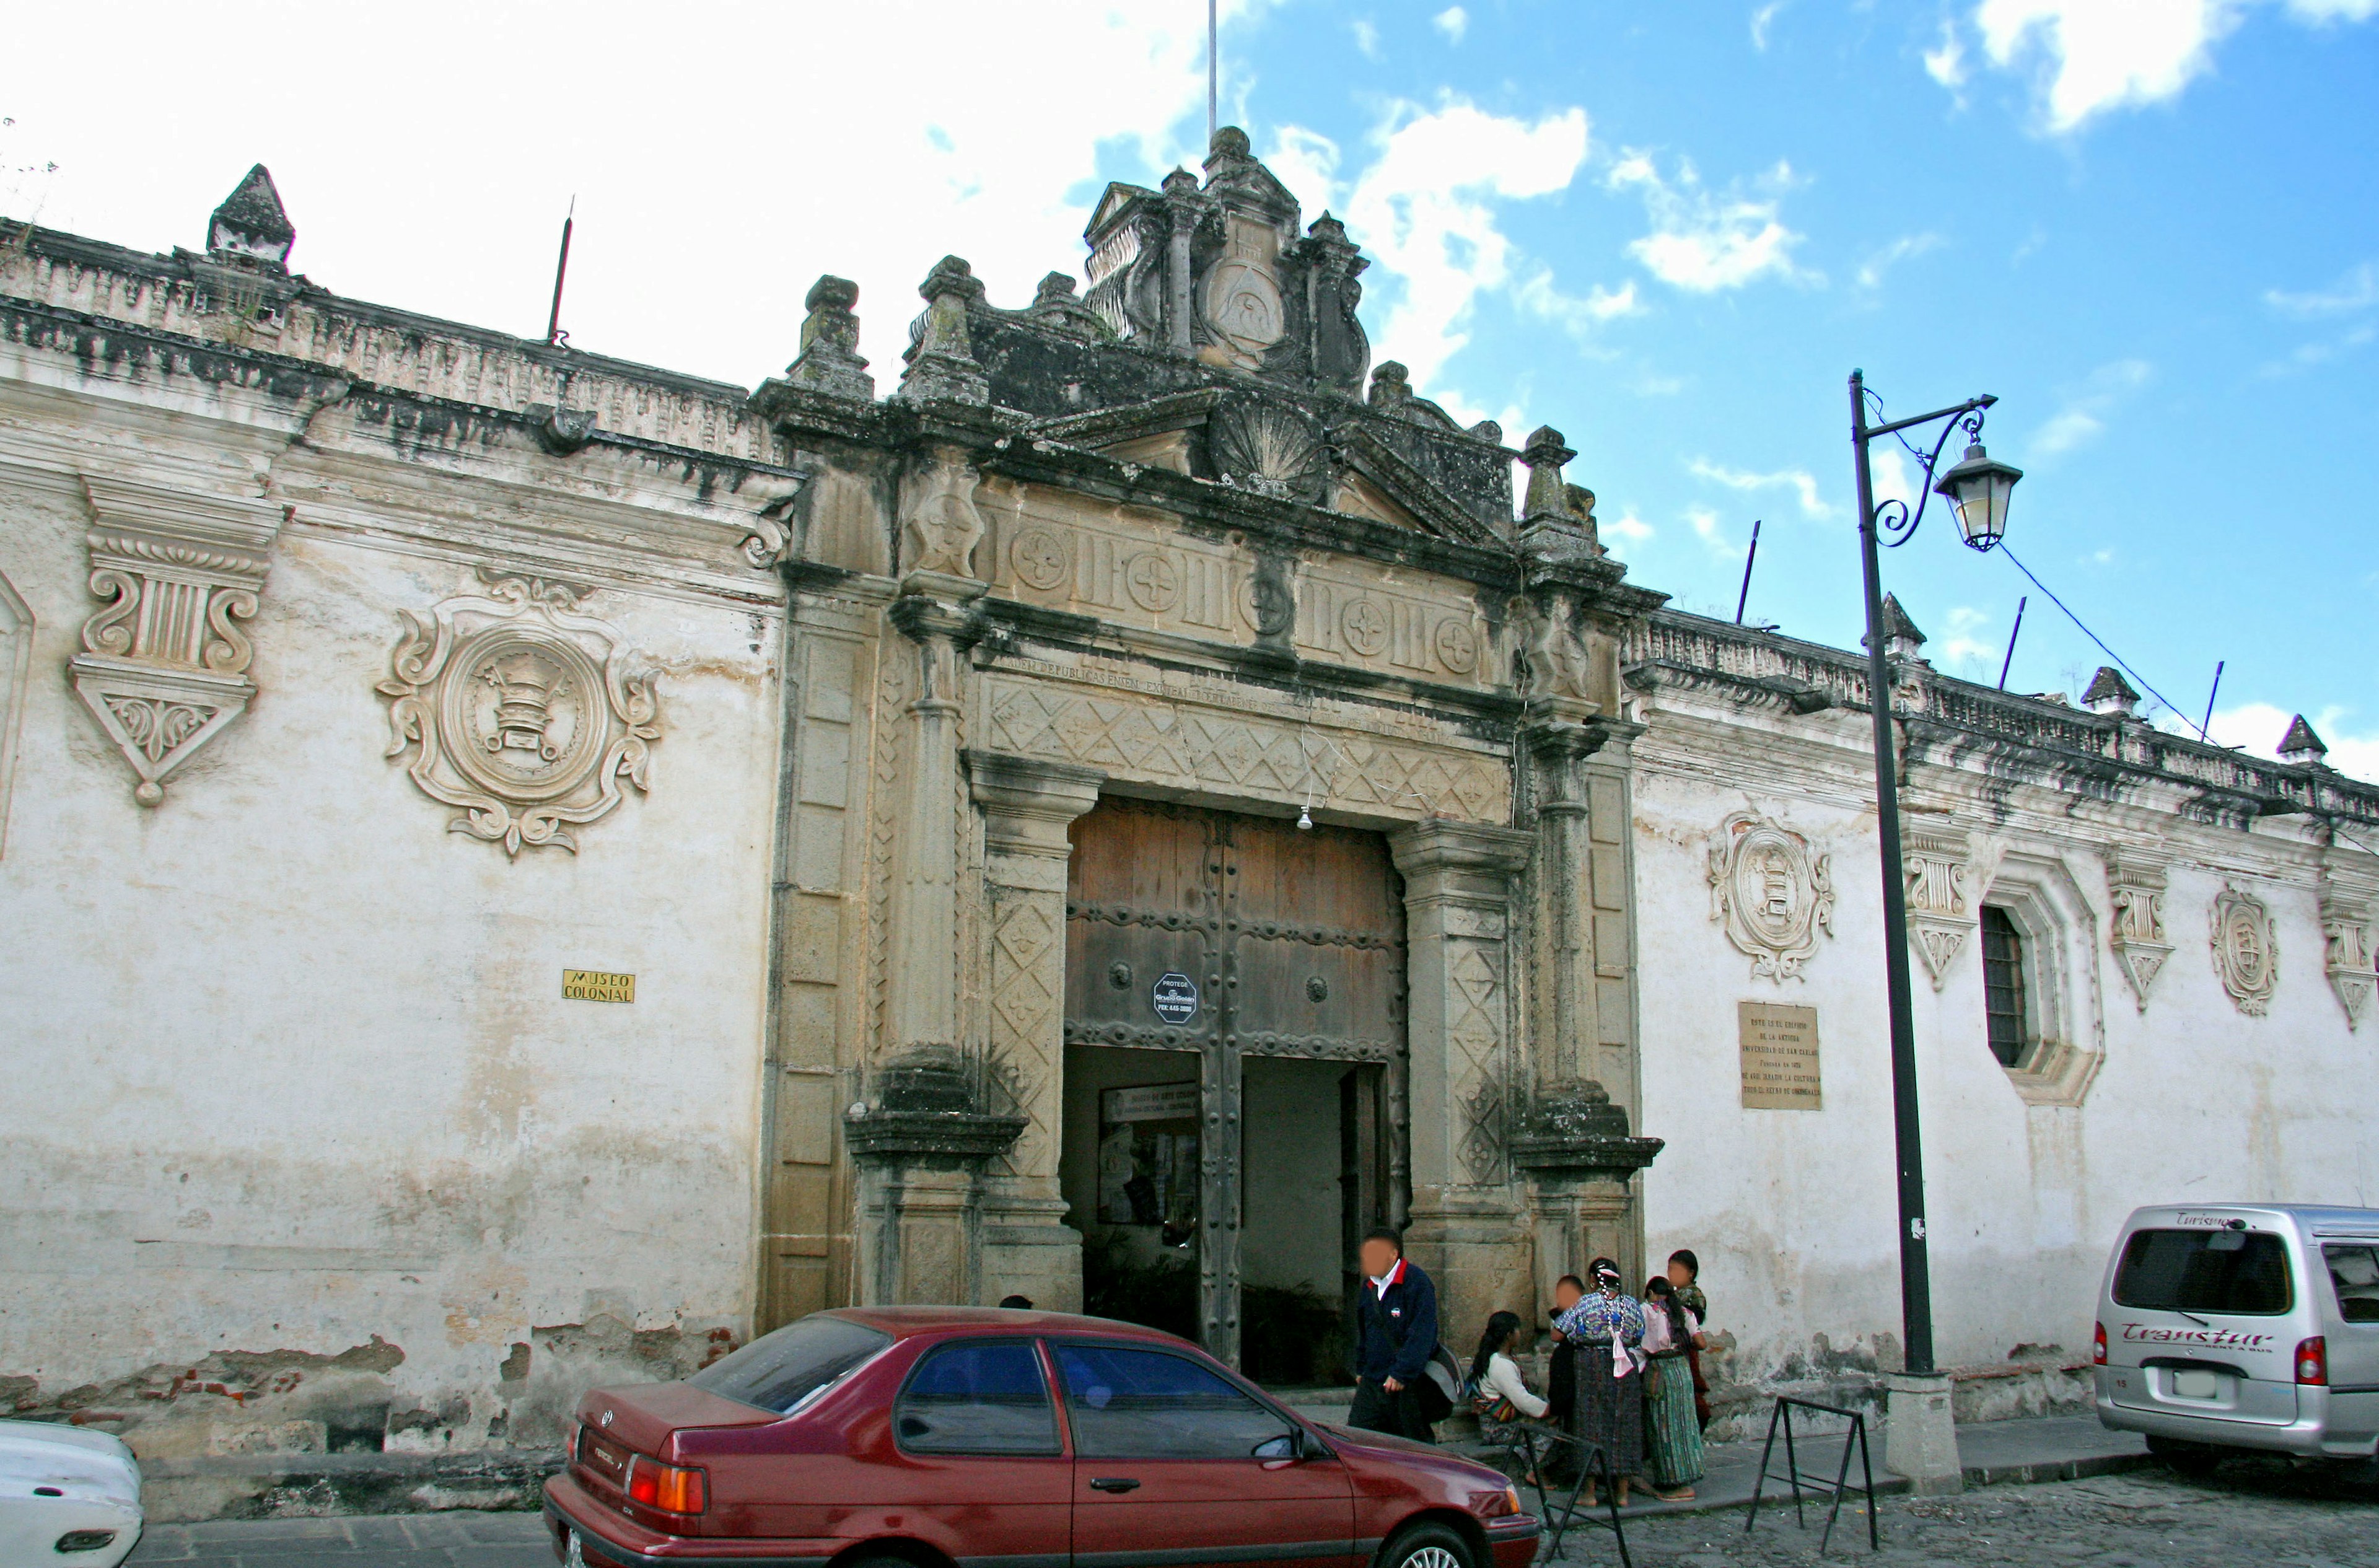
(164, 661)
(2246, 955)
(1771, 893)
(524, 712)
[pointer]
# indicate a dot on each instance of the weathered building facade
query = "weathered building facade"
(525, 868)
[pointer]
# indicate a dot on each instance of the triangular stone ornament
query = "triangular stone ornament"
(2135, 884)
(1937, 863)
(164, 659)
(252, 223)
(2346, 903)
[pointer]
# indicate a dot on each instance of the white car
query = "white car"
(66, 1496)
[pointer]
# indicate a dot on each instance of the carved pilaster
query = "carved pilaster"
(1936, 863)
(921, 1001)
(2135, 886)
(2346, 906)
(164, 663)
(1027, 805)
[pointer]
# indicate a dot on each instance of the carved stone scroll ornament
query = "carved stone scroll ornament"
(1940, 912)
(1772, 895)
(2345, 948)
(164, 662)
(520, 711)
(2135, 887)
(2246, 954)
(942, 526)
(1558, 667)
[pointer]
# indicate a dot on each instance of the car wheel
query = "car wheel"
(2194, 1460)
(1428, 1545)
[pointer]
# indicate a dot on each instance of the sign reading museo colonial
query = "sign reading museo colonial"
(1779, 1057)
(1174, 998)
(596, 986)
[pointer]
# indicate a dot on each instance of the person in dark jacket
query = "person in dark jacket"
(1395, 1335)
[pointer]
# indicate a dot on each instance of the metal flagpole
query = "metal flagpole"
(1211, 73)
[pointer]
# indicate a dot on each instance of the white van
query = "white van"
(2243, 1326)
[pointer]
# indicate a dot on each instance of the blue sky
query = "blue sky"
(2150, 227)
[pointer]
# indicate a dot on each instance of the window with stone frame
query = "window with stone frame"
(2006, 1021)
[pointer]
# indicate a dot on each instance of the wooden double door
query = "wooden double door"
(1227, 936)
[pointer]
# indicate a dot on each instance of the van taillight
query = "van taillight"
(673, 1489)
(2313, 1362)
(2098, 1346)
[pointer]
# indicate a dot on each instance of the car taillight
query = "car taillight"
(2313, 1362)
(673, 1489)
(2098, 1346)
(1495, 1504)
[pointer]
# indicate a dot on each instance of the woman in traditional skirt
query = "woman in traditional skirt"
(1670, 1329)
(1607, 1328)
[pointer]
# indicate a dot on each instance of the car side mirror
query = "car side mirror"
(1288, 1445)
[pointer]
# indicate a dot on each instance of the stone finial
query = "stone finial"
(1054, 305)
(1180, 182)
(1230, 143)
(1391, 388)
(829, 361)
(252, 226)
(1329, 230)
(942, 367)
(1901, 637)
(1547, 499)
(2301, 745)
(2109, 693)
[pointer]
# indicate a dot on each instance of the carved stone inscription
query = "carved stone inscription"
(1344, 612)
(1780, 1066)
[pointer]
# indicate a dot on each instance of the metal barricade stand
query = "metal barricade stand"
(1538, 1445)
(1836, 1487)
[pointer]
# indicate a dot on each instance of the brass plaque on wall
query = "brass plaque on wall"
(1779, 1057)
(596, 986)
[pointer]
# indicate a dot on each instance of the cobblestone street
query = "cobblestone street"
(2250, 1514)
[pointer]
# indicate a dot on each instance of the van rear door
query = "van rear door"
(2203, 1323)
(2353, 1264)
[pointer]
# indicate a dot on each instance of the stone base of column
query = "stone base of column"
(1029, 1250)
(1479, 1256)
(1920, 1438)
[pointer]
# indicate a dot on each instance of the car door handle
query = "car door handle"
(1114, 1483)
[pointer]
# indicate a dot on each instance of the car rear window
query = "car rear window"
(984, 1397)
(778, 1371)
(2237, 1272)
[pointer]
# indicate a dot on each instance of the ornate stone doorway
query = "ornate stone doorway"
(1195, 941)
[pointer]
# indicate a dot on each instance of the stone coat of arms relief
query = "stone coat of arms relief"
(2246, 954)
(520, 711)
(1772, 894)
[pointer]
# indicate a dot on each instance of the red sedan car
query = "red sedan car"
(944, 1437)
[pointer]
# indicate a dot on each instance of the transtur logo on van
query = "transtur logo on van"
(2227, 1339)
(2210, 1222)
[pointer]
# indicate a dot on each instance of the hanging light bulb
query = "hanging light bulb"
(1305, 818)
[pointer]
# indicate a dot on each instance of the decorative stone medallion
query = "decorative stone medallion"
(1772, 895)
(520, 711)
(1270, 449)
(2246, 954)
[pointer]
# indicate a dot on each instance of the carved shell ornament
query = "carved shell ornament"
(1270, 449)
(2246, 953)
(1772, 894)
(520, 711)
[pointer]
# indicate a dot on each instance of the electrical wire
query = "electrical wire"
(2110, 653)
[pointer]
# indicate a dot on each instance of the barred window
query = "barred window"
(2003, 1009)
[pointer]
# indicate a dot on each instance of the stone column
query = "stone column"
(1463, 1223)
(1028, 1248)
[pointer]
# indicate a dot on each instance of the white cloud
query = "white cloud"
(2084, 417)
(2357, 290)
(1703, 242)
(1628, 526)
(1706, 528)
(1426, 208)
(1890, 475)
(1803, 483)
(1871, 271)
(2090, 57)
(2257, 729)
(1961, 642)
(1759, 21)
(1454, 21)
(1367, 39)
(1946, 63)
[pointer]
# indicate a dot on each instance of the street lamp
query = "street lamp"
(1977, 491)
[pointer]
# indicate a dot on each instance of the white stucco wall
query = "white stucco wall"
(1793, 1214)
(290, 1064)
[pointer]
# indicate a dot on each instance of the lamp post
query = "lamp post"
(1977, 490)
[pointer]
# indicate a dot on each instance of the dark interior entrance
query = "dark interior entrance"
(1235, 1074)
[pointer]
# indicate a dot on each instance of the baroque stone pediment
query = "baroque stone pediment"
(520, 711)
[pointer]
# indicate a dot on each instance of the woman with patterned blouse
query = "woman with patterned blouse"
(1608, 1329)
